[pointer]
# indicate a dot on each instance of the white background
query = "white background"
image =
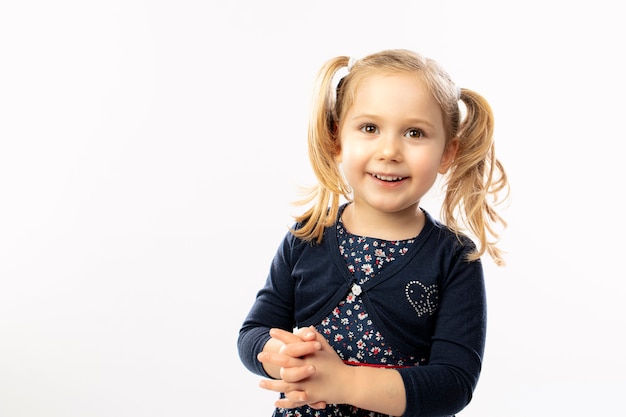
(149, 152)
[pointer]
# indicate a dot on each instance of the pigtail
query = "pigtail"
(323, 145)
(477, 179)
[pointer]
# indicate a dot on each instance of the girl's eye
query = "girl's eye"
(415, 134)
(369, 129)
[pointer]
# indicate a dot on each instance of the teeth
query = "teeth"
(387, 178)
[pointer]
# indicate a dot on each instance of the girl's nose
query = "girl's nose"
(389, 147)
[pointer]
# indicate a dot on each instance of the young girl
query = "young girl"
(371, 306)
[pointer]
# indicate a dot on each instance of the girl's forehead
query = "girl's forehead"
(380, 74)
(400, 96)
(403, 86)
(381, 82)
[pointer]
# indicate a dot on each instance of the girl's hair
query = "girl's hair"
(474, 182)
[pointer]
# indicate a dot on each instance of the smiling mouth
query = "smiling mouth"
(387, 178)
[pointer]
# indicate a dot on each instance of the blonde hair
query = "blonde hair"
(475, 181)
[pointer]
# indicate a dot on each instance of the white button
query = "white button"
(356, 289)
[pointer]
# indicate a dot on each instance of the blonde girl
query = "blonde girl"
(372, 307)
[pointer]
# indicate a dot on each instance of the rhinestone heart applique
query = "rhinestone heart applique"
(424, 299)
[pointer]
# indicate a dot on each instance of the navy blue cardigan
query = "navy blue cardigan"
(430, 302)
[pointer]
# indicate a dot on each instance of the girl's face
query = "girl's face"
(393, 143)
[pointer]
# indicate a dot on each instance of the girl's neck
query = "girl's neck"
(401, 225)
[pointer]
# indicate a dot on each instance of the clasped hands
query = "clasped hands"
(311, 372)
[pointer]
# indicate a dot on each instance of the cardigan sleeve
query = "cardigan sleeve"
(445, 385)
(273, 307)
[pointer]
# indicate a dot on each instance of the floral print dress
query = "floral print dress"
(348, 327)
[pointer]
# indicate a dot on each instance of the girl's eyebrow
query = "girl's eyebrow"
(415, 120)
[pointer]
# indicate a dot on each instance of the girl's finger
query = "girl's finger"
(296, 374)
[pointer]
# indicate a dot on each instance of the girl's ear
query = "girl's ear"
(337, 151)
(448, 155)
(338, 156)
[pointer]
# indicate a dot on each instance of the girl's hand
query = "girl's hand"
(292, 368)
(312, 373)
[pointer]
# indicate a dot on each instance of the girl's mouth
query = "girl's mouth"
(387, 178)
